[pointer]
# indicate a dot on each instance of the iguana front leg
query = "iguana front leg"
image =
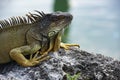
(59, 44)
(57, 41)
(67, 46)
(50, 47)
(43, 55)
(18, 54)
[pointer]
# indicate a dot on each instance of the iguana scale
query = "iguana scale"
(21, 36)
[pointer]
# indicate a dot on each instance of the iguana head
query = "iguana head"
(52, 23)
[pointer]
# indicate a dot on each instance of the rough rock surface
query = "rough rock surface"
(73, 61)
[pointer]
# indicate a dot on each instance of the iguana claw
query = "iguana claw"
(36, 60)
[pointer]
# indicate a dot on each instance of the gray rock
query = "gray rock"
(73, 61)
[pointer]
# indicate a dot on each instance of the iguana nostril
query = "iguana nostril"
(69, 17)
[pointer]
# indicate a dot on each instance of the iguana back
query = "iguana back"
(13, 34)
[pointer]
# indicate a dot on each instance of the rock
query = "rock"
(73, 61)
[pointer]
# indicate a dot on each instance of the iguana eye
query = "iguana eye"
(61, 17)
(57, 18)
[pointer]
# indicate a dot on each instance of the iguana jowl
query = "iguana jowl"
(20, 36)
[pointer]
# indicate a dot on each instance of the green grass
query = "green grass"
(74, 77)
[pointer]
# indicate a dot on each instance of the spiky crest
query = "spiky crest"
(31, 18)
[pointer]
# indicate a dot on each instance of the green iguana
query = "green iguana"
(20, 36)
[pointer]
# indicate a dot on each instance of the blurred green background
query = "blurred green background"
(96, 23)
